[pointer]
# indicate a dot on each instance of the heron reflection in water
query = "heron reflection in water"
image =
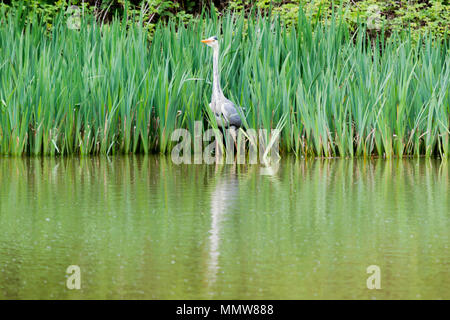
(223, 199)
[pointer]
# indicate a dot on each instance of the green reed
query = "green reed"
(108, 89)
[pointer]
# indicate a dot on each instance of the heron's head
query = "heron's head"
(212, 41)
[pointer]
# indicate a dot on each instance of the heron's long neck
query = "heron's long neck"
(216, 78)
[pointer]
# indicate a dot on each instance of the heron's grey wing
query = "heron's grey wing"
(231, 114)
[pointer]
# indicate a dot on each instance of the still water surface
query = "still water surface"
(143, 228)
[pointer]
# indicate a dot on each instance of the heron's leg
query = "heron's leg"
(219, 151)
(240, 146)
(234, 133)
(234, 136)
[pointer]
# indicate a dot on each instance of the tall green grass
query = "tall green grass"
(108, 89)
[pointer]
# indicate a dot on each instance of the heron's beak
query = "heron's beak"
(206, 41)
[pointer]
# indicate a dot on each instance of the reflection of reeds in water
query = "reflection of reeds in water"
(146, 228)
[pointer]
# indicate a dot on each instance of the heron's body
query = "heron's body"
(225, 111)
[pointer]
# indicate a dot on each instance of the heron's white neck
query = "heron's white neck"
(216, 78)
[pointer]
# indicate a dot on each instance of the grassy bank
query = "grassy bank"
(107, 89)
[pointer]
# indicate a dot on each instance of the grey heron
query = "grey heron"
(227, 114)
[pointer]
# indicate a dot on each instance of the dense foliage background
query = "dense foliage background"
(74, 85)
(422, 16)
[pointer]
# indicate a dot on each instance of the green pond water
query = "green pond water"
(144, 228)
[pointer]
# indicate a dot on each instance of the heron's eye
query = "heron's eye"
(215, 38)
